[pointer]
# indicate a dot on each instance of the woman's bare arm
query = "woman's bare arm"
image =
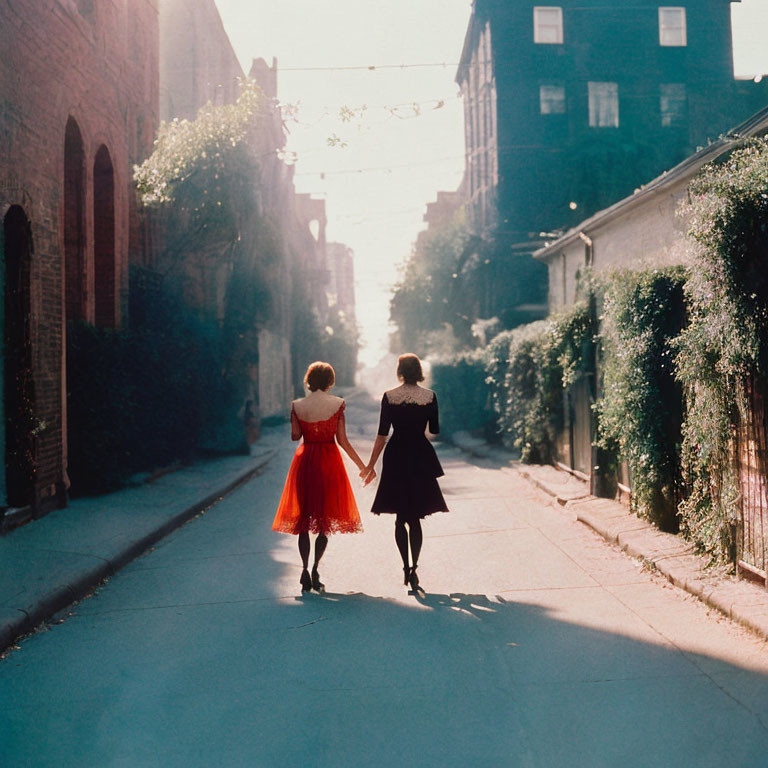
(295, 426)
(341, 438)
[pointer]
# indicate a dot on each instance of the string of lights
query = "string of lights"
(402, 110)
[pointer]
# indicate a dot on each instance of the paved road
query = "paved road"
(535, 644)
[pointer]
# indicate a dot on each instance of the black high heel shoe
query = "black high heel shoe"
(317, 585)
(413, 579)
(406, 575)
(306, 582)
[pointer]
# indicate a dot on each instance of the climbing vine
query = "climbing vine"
(527, 370)
(201, 176)
(726, 342)
(640, 410)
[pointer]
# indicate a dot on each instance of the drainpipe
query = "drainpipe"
(588, 248)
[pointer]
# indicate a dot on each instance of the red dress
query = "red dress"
(317, 496)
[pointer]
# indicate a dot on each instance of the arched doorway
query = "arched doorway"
(74, 221)
(18, 392)
(104, 237)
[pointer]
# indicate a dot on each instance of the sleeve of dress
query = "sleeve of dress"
(385, 420)
(434, 420)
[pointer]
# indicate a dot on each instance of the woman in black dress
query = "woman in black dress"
(410, 468)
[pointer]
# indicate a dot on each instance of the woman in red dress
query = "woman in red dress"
(317, 496)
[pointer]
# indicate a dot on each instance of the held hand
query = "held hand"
(370, 476)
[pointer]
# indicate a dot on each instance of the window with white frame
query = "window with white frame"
(547, 24)
(552, 99)
(673, 104)
(672, 28)
(603, 105)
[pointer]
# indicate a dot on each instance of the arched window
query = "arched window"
(104, 237)
(18, 391)
(74, 221)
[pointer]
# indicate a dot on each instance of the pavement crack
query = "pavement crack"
(78, 554)
(309, 623)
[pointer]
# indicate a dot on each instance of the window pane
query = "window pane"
(552, 99)
(603, 105)
(548, 15)
(672, 28)
(547, 24)
(673, 104)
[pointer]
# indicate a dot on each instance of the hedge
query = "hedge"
(640, 411)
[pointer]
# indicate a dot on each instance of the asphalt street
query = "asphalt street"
(534, 643)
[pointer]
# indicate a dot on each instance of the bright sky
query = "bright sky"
(377, 185)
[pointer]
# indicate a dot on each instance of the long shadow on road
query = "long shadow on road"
(353, 680)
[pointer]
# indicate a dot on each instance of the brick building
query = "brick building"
(570, 107)
(197, 62)
(78, 107)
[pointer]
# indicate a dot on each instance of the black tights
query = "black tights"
(321, 542)
(402, 536)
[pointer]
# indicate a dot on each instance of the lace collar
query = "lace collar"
(410, 393)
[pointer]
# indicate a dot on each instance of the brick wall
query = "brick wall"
(96, 64)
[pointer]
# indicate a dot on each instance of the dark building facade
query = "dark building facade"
(78, 107)
(569, 108)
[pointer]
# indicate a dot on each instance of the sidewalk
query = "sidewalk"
(48, 564)
(675, 558)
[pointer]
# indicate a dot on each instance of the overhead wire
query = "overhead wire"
(384, 168)
(370, 67)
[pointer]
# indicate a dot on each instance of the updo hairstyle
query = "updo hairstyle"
(409, 369)
(319, 375)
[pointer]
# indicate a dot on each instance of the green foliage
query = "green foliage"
(726, 341)
(140, 398)
(186, 149)
(460, 384)
(453, 279)
(518, 381)
(339, 346)
(640, 412)
(527, 370)
(424, 299)
(201, 174)
(513, 374)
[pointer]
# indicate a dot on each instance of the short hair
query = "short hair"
(409, 368)
(319, 375)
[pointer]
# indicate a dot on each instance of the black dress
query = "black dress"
(410, 467)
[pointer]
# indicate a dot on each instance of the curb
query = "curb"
(561, 498)
(12, 629)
